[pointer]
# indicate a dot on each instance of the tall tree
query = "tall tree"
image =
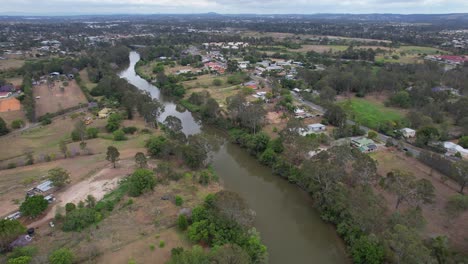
(9, 231)
(112, 154)
(461, 174)
(140, 160)
(151, 111)
(59, 177)
(407, 189)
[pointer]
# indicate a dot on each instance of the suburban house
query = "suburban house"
(299, 112)
(408, 132)
(313, 128)
(251, 84)
(317, 127)
(453, 148)
(5, 94)
(104, 113)
(364, 144)
(243, 64)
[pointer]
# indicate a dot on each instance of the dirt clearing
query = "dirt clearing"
(53, 99)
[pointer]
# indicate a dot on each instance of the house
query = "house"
(243, 64)
(317, 127)
(44, 187)
(299, 112)
(104, 113)
(251, 84)
(5, 94)
(408, 132)
(7, 88)
(364, 144)
(453, 148)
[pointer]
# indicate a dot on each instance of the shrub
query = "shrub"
(457, 204)
(20, 260)
(46, 121)
(80, 218)
(217, 82)
(182, 222)
(9, 231)
(119, 135)
(463, 141)
(69, 207)
(179, 200)
(158, 146)
(92, 132)
(11, 165)
(162, 243)
(61, 256)
(130, 130)
(140, 181)
(18, 123)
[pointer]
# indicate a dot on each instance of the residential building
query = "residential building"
(364, 144)
(104, 113)
(408, 132)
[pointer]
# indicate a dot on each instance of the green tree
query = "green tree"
(63, 148)
(113, 122)
(61, 256)
(142, 180)
(440, 249)
(194, 256)
(426, 135)
(3, 127)
(80, 128)
(372, 135)
(112, 154)
(336, 115)
(230, 254)
(405, 186)
(9, 231)
(367, 250)
(158, 146)
(461, 174)
(59, 177)
(463, 141)
(33, 206)
(140, 160)
(406, 246)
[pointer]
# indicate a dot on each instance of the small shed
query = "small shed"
(45, 186)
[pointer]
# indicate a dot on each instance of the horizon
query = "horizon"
(225, 7)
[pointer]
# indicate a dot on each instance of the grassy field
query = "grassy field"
(408, 54)
(55, 99)
(11, 64)
(85, 79)
(370, 114)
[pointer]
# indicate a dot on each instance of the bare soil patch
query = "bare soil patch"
(53, 99)
(11, 64)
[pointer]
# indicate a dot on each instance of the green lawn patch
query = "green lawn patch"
(370, 114)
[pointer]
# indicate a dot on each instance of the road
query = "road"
(409, 148)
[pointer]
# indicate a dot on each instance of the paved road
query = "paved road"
(410, 148)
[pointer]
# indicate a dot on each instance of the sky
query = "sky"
(67, 7)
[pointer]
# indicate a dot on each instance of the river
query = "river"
(289, 225)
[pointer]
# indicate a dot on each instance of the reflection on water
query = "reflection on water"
(290, 227)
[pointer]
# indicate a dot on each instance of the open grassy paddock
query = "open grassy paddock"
(370, 114)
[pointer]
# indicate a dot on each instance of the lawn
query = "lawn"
(370, 114)
(420, 50)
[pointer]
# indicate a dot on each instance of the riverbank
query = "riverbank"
(289, 225)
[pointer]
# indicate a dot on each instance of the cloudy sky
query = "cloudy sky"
(47, 7)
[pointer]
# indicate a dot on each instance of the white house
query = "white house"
(453, 148)
(408, 132)
(317, 127)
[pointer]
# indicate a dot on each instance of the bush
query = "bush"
(182, 222)
(46, 121)
(80, 218)
(217, 82)
(75, 135)
(158, 146)
(9, 231)
(130, 130)
(178, 200)
(457, 204)
(119, 135)
(20, 260)
(18, 123)
(61, 256)
(92, 132)
(463, 141)
(162, 244)
(69, 207)
(140, 181)
(11, 165)
(367, 251)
